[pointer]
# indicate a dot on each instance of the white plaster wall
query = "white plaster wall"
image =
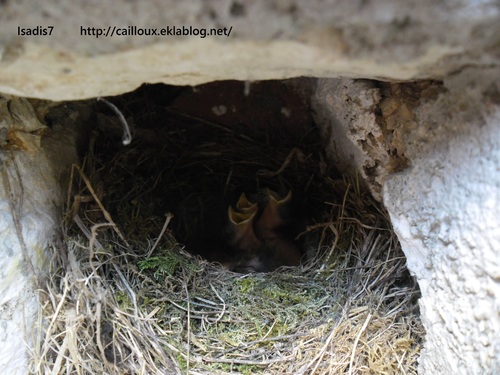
(445, 209)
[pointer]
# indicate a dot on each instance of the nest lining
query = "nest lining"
(126, 296)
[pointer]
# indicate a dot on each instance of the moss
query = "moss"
(167, 264)
(247, 284)
(123, 300)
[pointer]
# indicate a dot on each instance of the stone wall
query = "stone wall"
(437, 170)
(445, 208)
(429, 149)
(35, 161)
(378, 39)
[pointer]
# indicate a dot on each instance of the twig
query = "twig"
(169, 217)
(99, 203)
(356, 342)
(248, 362)
(322, 352)
(295, 152)
(188, 365)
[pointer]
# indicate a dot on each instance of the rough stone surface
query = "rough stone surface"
(345, 111)
(364, 124)
(31, 194)
(378, 39)
(370, 28)
(445, 209)
(434, 149)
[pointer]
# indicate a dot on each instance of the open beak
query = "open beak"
(245, 206)
(241, 225)
(275, 213)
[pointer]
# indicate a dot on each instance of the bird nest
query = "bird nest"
(136, 288)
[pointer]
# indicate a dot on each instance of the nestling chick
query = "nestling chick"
(271, 230)
(241, 232)
(260, 236)
(241, 236)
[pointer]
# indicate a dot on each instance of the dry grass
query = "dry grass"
(126, 298)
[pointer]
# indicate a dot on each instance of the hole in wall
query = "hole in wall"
(198, 152)
(195, 150)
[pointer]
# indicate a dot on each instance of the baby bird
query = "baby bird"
(259, 236)
(271, 230)
(242, 238)
(242, 235)
(275, 215)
